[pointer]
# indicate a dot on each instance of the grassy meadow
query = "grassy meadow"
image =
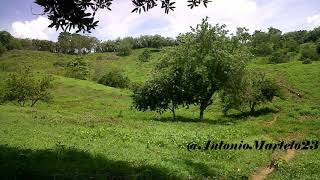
(91, 131)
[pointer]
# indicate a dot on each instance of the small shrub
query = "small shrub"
(307, 61)
(78, 69)
(124, 49)
(145, 56)
(115, 78)
(279, 57)
(24, 87)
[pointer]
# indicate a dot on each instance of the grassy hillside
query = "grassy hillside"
(91, 130)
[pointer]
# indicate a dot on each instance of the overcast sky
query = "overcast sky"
(17, 17)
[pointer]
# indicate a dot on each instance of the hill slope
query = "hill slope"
(91, 130)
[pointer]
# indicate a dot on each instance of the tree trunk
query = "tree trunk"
(33, 103)
(201, 114)
(252, 108)
(173, 114)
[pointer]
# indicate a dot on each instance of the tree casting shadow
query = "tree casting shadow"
(69, 163)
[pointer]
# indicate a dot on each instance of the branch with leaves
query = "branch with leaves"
(80, 14)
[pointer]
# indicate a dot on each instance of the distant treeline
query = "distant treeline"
(79, 44)
(273, 43)
(282, 47)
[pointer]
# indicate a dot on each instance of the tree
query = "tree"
(298, 36)
(9, 41)
(2, 49)
(203, 62)
(107, 46)
(318, 47)
(250, 90)
(313, 35)
(160, 93)
(76, 43)
(275, 36)
(261, 44)
(24, 87)
(80, 14)
(5, 38)
(124, 48)
(309, 51)
(243, 35)
(43, 45)
(26, 44)
(145, 55)
(78, 68)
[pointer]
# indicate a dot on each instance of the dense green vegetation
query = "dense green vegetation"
(93, 130)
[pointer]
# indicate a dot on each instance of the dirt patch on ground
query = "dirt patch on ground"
(284, 84)
(274, 119)
(263, 172)
(277, 155)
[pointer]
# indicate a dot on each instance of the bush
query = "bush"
(307, 61)
(115, 78)
(279, 57)
(78, 69)
(124, 49)
(309, 50)
(24, 87)
(145, 55)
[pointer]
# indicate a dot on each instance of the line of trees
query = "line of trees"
(69, 43)
(146, 41)
(282, 47)
(278, 46)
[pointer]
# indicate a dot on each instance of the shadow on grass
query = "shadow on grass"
(220, 121)
(69, 163)
(260, 112)
(212, 172)
(229, 119)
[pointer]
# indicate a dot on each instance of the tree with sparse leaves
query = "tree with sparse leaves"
(200, 66)
(24, 87)
(80, 14)
(248, 91)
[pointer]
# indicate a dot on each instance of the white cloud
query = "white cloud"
(120, 22)
(313, 21)
(35, 29)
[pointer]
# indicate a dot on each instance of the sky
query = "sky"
(19, 17)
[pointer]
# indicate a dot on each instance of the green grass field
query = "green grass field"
(91, 131)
